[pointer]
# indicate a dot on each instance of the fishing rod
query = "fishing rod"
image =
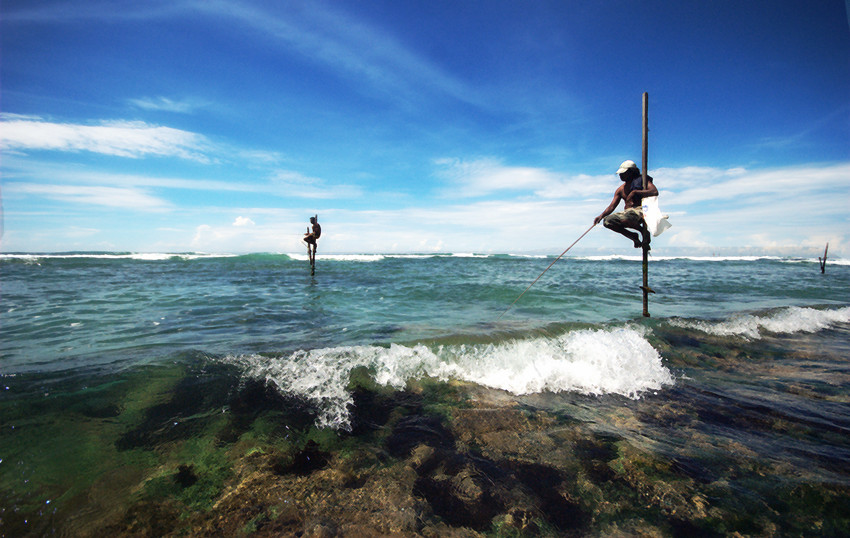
(541, 274)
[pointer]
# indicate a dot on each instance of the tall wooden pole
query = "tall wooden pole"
(645, 286)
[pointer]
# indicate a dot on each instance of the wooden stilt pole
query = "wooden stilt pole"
(311, 257)
(645, 287)
(823, 261)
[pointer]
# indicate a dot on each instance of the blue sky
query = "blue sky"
(421, 126)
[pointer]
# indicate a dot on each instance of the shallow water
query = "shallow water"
(139, 380)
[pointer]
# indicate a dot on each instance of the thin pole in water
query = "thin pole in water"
(646, 289)
(541, 274)
(311, 257)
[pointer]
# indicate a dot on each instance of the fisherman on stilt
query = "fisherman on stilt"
(633, 193)
(311, 238)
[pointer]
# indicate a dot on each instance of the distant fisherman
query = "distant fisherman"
(311, 238)
(633, 193)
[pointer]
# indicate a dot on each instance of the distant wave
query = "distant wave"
(617, 361)
(837, 261)
(341, 257)
(379, 257)
(365, 257)
(789, 320)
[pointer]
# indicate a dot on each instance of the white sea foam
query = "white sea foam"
(535, 256)
(837, 261)
(379, 257)
(340, 257)
(618, 361)
(321, 375)
(412, 256)
(754, 259)
(786, 321)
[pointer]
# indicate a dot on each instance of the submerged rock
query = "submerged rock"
(305, 461)
(413, 431)
(459, 461)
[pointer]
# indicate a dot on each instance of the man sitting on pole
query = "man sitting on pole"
(633, 193)
(312, 238)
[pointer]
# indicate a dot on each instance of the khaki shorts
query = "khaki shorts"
(631, 217)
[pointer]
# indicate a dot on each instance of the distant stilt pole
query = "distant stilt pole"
(311, 257)
(823, 260)
(646, 289)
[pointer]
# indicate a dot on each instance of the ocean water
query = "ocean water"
(107, 358)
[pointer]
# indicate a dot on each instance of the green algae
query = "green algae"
(442, 399)
(188, 451)
(196, 483)
(58, 451)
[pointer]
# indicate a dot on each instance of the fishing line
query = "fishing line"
(541, 274)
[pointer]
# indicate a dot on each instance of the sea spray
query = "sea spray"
(613, 361)
(783, 321)
(321, 376)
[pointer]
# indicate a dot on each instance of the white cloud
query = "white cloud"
(288, 183)
(353, 48)
(278, 237)
(116, 197)
(321, 33)
(763, 224)
(78, 232)
(131, 139)
(261, 157)
(184, 106)
(687, 186)
(786, 211)
(243, 221)
(689, 238)
(19, 168)
(487, 176)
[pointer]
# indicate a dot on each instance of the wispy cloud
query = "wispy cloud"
(347, 44)
(294, 184)
(689, 186)
(119, 138)
(246, 238)
(350, 46)
(113, 197)
(184, 106)
(487, 176)
(57, 12)
(280, 184)
(243, 221)
(30, 170)
(791, 140)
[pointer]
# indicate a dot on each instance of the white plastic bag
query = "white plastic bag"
(655, 221)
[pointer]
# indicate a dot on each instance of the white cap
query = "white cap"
(626, 166)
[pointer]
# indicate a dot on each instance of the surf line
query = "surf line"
(541, 274)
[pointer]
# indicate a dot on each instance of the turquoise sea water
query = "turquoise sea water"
(98, 348)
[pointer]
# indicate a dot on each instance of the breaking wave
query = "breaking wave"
(614, 361)
(785, 321)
